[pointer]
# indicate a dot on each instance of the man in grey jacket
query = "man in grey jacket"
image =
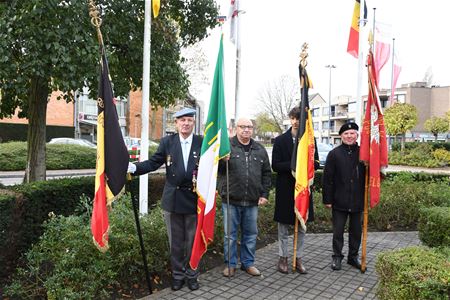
(249, 185)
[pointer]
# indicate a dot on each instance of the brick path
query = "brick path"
(320, 282)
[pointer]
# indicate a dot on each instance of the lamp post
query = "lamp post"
(329, 103)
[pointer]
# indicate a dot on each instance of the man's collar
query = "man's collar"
(189, 138)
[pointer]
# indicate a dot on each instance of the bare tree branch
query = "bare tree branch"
(278, 97)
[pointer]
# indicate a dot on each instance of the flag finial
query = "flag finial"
(304, 55)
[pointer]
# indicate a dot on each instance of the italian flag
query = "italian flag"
(215, 146)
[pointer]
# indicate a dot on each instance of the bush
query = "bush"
(401, 200)
(434, 226)
(13, 156)
(65, 258)
(442, 156)
(22, 216)
(428, 155)
(413, 273)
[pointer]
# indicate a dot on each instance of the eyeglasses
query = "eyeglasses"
(243, 127)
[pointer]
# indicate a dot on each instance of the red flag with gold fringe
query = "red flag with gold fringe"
(373, 149)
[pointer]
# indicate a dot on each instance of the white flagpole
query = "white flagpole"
(143, 179)
(238, 64)
(392, 72)
(359, 104)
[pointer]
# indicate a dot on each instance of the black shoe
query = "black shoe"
(193, 284)
(354, 262)
(336, 263)
(177, 284)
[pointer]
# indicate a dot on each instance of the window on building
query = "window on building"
(325, 111)
(315, 112)
(351, 107)
(325, 125)
(332, 125)
(120, 106)
(384, 101)
(333, 111)
(316, 125)
(401, 98)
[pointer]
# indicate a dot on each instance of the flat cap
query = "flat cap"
(348, 126)
(185, 112)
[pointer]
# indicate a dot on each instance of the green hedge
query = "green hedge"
(13, 156)
(401, 201)
(434, 226)
(422, 155)
(22, 216)
(65, 264)
(396, 146)
(413, 273)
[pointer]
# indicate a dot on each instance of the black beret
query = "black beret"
(348, 126)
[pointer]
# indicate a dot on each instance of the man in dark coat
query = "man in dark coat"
(284, 193)
(180, 153)
(343, 191)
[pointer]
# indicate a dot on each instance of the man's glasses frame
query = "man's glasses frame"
(243, 127)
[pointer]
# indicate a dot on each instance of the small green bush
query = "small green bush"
(429, 155)
(65, 264)
(13, 156)
(442, 156)
(413, 273)
(401, 200)
(434, 226)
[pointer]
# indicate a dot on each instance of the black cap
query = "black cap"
(348, 126)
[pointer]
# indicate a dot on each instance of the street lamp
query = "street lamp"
(329, 103)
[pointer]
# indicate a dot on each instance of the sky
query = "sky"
(273, 32)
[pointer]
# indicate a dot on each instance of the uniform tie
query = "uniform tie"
(185, 153)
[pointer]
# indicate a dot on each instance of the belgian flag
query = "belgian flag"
(353, 39)
(112, 159)
(302, 163)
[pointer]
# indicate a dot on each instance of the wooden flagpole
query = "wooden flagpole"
(294, 255)
(365, 222)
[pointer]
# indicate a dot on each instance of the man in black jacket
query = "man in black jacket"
(343, 191)
(284, 215)
(180, 153)
(249, 185)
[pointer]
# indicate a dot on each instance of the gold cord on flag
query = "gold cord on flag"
(96, 20)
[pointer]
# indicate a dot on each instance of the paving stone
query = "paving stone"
(320, 283)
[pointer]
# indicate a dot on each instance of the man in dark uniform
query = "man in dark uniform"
(284, 194)
(180, 153)
(343, 191)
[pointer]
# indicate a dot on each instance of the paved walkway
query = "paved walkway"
(320, 282)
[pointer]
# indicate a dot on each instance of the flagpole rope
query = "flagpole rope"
(96, 20)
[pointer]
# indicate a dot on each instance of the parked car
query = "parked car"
(136, 142)
(323, 150)
(71, 141)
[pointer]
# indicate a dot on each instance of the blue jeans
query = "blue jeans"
(246, 217)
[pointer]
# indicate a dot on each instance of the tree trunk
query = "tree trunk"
(37, 115)
(402, 149)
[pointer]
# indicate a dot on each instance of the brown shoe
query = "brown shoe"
(299, 267)
(229, 272)
(252, 270)
(282, 265)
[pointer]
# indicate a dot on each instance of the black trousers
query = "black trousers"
(354, 232)
(181, 231)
